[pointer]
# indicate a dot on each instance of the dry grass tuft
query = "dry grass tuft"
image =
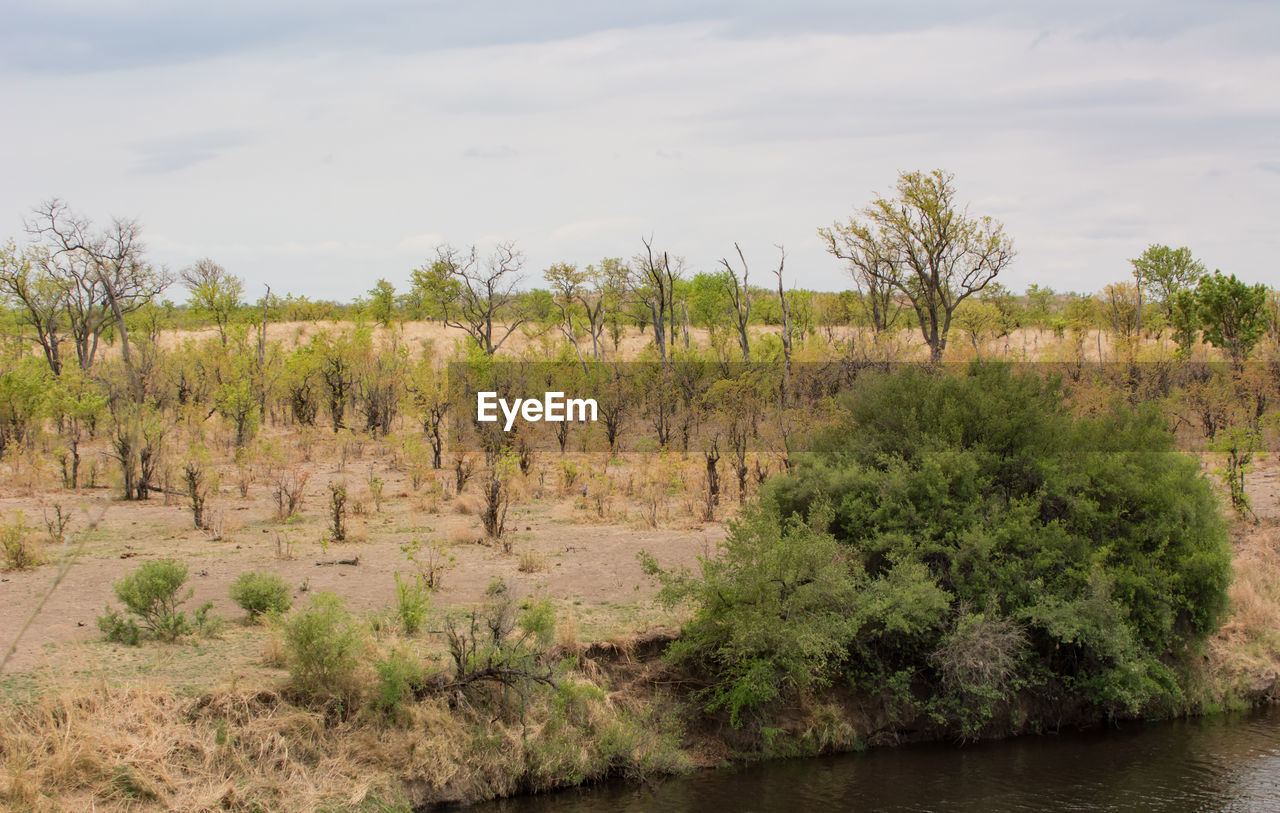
(463, 535)
(531, 561)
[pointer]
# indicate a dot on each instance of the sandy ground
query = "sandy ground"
(1022, 343)
(586, 565)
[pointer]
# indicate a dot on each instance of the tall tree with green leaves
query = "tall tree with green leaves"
(1232, 313)
(1162, 272)
(215, 293)
(924, 245)
(382, 302)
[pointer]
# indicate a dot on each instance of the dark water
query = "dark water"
(1221, 763)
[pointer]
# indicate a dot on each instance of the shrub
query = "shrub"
(413, 600)
(1097, 555)
(259, 593)
(502, 643)
(19, 549)
(151, 594)
(324, 647)
(338, 511)
(119, 628)
(398, 677)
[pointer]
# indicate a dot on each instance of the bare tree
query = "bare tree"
(740, 299)
(785, 305)
(474, 297)
(104, 273)
(870, 270)
(653, 277)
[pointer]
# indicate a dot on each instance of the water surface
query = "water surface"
(1220, 763)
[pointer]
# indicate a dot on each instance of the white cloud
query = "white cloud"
(318, 172)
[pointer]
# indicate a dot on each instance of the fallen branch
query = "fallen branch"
(328, 562)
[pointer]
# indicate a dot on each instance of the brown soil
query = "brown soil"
(586, 565)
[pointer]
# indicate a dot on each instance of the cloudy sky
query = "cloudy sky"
(317, 146)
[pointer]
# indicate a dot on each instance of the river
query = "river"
(1229, 762)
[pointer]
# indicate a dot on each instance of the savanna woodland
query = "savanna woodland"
(258, 554)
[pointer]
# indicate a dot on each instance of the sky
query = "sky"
(318, 146)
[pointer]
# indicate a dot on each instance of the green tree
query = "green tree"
(215, 293)
(41, 298)
(475, 297)
(382, 302)
(921, 244)
(1232, 313)
(1163, 272)
(776, 609)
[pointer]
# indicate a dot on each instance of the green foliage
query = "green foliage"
(260, 593)
(16, 543)
(382, 302)
(1164, 272)
(324, 646)
(398, 677)
(776, 610)
(413, 601)
(967, 531)
(119, 628)
(1102, 543)
(1184, 317)
(1233, 314)
(24, 395)
(151, 593)
(1237, 445)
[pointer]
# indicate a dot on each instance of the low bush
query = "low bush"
(260, 593)
(151, 594)
(18, 547)
(324, 646)
(399, 675)
(413, 600)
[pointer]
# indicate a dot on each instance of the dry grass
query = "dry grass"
(150, 748)
(1245, 654)
(463, 535)
(531, 561)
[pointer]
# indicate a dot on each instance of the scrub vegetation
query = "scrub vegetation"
(258, 554)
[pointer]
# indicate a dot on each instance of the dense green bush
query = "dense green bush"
(957, 539)
(151, 593)
(260, 593)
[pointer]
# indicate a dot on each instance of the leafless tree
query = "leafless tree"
(740, 299)
(870, 270)
(785, 305)
(653, 277)
(104, 273)
(474, 297)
